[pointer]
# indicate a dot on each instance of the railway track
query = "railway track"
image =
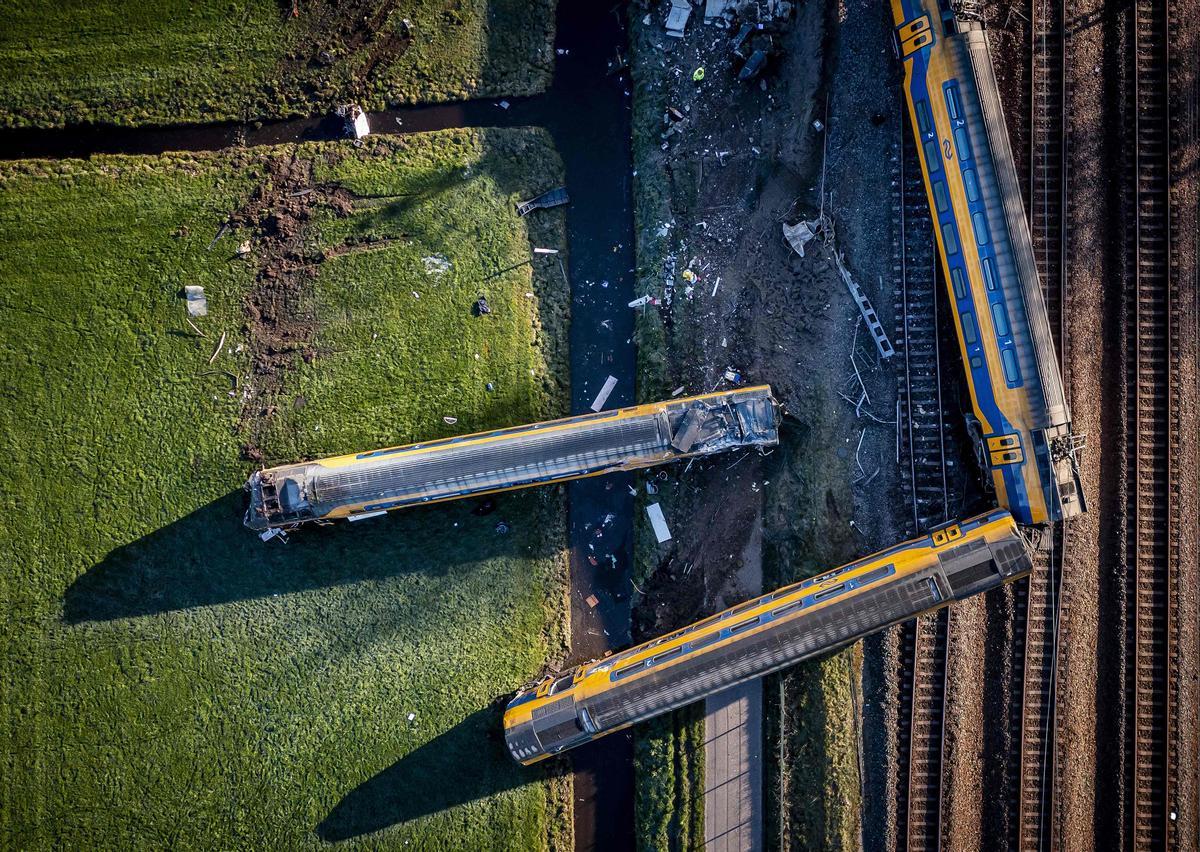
(928, 455)
(1033, 775)
(1152, 523)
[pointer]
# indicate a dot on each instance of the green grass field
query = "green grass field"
(166, 679)
(134, 62)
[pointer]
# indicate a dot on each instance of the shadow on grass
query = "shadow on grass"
(208, 557)
(465, 763)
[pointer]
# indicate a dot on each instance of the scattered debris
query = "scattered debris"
(592, 601)
(553, 198)
(677, 18)
(800, 234)
(197, 304)
(502, 528)
(217, 351)
(243, 248)
(411, 716)
(718, 12)
(661, 531)
(195, 327)
(436, 264)
(354, 121)
(641, 301)
(449, 421)
(482, 308)
(273, 532)
(678, 391)
(698, 75)
(602, 397)
(545, 251)
(732, 375)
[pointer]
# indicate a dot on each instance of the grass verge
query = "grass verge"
(137, 62)
(165, 678)
(812, 783)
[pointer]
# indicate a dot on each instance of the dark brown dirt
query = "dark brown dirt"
(338, 30)
(281, 323)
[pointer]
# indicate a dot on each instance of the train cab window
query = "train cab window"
(587, 722)
(989, 274)
(933, 156)
(970, 334)
(1000, 319)
(949, 238)
(561, 684)
(959, 278)
(1012, 373)
(923, 119)
(961, 144)
(940, 196)
(971, 184)
(981, 228)
(952, 105)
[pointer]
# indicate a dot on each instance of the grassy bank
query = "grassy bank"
(669, 807)
(133, 62)
(811, 728)
(168, 680)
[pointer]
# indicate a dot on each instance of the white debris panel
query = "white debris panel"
(661, 531)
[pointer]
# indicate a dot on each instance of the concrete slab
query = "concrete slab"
(733, 804)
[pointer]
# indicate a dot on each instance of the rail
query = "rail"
(1039, 599)
(1152, 376)
(928, 457)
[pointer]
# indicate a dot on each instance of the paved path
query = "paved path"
(733, 769)
(733, 800)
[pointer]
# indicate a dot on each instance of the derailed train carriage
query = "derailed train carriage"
(764, 635)
(371, 483)
(1021, 421)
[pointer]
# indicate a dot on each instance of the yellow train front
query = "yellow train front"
(367, 484)
(1021, 421)
(764, 635)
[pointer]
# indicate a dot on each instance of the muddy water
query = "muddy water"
(587, 110)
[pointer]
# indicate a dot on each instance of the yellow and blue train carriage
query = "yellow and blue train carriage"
(366, 484)
(1021, 423)
(763, 635)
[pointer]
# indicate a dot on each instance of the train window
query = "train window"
(627, 671)
(952, 105)
(940, 196)
(666, 655)
(949, 238)
(705, 641)
(989, 274)
(981, 228)
(933, 156)
(1000, 319)
(923, 119)
(961, 143)
(1012, 373)
(970, 335)
(561, 684)
(828, 593)
(787, 609)
(877, 574)
(976, 362)
(971, 183)
(745, 625)
(960, 282)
